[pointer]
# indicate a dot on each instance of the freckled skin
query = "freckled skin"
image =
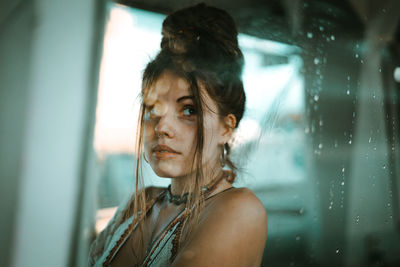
(167, 123)
(233, 225)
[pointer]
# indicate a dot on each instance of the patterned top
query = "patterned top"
(163, 249)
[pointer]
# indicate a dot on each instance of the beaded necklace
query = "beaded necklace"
(206, 190)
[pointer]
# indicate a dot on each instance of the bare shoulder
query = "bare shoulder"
(238, 206)
(238, 202)
(235, 217)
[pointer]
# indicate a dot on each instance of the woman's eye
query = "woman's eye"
(189, 111)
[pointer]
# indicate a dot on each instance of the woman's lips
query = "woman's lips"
(164, 152)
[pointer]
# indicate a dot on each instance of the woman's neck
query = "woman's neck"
(180, 185)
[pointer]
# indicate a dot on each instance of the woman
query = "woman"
(192, 100)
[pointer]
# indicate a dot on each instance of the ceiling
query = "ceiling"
(285, 20)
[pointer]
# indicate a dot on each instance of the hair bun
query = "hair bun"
(204, 36)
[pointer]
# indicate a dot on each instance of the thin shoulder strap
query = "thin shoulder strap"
(226, 189)
(130, 228)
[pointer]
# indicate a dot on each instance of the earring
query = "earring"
(223, 156)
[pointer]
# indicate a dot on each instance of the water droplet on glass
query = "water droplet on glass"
(348, 78)
(369, 140)
(357, 218)
(396, 74)
(297, 238)
(343, 169)
(356, 55)
(333, 37)
(316, 97)
(316, 61)
(384, 166)
(337, 251)
(321, 28)
(320, 146)
(336, 144)
(301, 211)
(388, 205)
(350, 142)
(380, 69)
(342, 183)
(309, 35)
(348, 92)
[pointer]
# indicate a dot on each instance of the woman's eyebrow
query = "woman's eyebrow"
(184, 97)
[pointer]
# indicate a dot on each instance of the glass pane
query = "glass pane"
(319, 142)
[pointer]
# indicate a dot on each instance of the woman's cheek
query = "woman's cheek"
(148, 132)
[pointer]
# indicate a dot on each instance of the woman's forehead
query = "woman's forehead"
(170, 82)
(168, 85)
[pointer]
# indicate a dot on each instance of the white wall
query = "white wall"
(47, 98)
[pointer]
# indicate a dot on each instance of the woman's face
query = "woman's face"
(170, 127)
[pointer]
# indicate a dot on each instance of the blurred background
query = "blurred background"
(319, 142)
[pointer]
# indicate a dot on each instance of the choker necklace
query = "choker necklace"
(177, 199)
(206, 189)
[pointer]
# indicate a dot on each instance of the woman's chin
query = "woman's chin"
(166, 170)
(163, 174)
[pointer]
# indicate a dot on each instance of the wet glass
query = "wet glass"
(319, 142)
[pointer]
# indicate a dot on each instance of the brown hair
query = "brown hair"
(199, 44)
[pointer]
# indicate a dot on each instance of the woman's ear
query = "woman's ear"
(229, 124)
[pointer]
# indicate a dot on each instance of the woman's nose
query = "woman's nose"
(165, 125)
